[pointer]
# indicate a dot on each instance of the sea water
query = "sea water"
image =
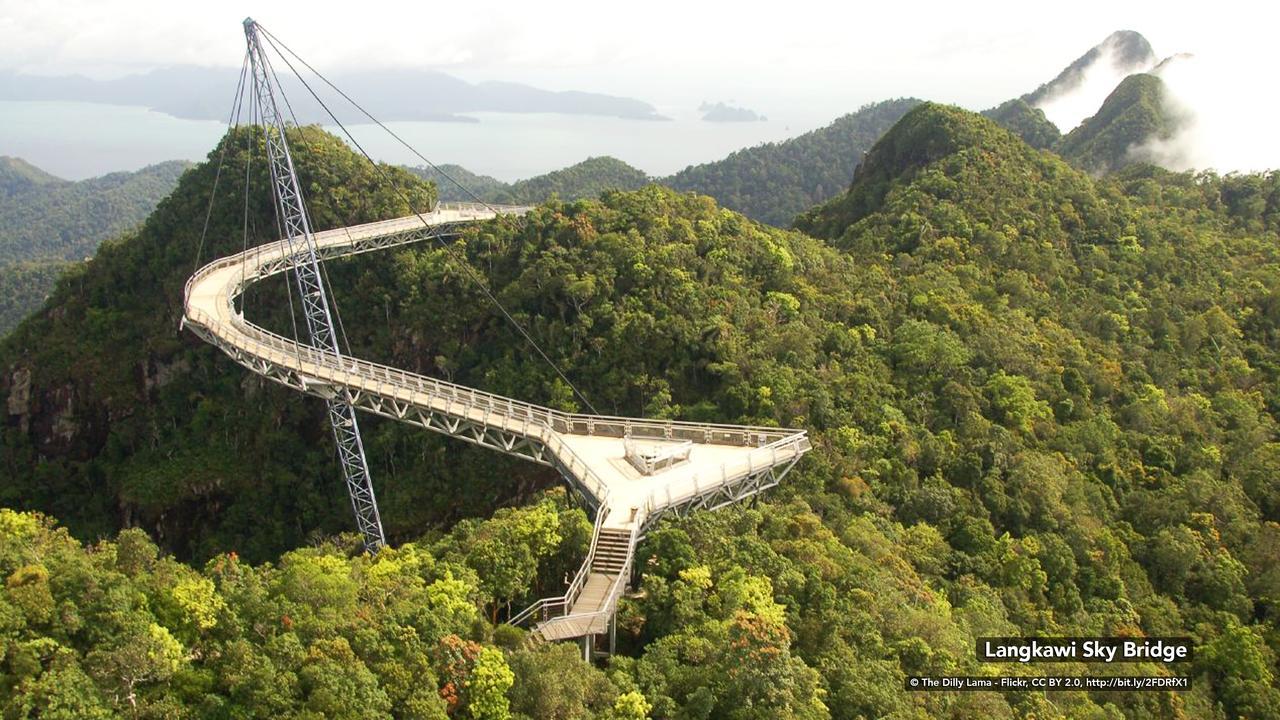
(75, 140)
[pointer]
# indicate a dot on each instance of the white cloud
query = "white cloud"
(1068, 108)
(1230, 124)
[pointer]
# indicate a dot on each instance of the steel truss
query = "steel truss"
(296, 226)
(721, 495)
(521, 445)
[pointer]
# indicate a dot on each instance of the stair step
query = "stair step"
(613, 551)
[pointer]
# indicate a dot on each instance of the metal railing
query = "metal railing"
(487, 408)
(730, 474)
(561, 422)
(387, 382)
(615, 591)
(649, 459)
(545, 607)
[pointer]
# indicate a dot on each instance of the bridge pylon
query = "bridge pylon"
(316, 307)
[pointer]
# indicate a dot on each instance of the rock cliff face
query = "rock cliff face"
(55, 421)
(19, 402)
(160, 373)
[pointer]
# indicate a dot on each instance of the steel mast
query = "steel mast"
(296, 226)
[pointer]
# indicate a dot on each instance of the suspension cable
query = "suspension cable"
(343, 343)
(237, 102)
(462, 261)
(248, 167)
(274, 40)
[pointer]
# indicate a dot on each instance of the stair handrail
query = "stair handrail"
(615, 589)
(574, 588)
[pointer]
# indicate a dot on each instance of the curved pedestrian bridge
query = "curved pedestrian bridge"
(630, 471)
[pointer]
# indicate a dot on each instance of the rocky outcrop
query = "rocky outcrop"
(19, 403)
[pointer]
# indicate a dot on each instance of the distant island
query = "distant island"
(721, 112)
(199, 93)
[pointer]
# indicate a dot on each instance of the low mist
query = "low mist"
(1227, 121)
(1068, 107)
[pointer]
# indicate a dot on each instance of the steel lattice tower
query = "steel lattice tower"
(296, 227)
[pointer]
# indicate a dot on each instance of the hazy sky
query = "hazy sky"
(657, 50)
(824, 57)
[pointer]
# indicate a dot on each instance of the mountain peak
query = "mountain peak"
(946, 172)
(1127, 48)
(775, 181)
(586, 179)
(923, 136)
(18, 175)
(1134, 113)
(1125, 51)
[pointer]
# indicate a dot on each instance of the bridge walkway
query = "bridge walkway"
(718, 464)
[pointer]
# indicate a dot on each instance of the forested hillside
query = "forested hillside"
(24, 286)
(47, 223)
(586, 179)
(448, 177)
(119, 630)
(117, 418)
(1135, 114)
(19, 176)
(1041, 404)
(1027, 122)
(1085, 376)
(774, 182)
(58, 219)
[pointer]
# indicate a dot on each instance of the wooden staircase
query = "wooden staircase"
(611, 551)
(606, 578)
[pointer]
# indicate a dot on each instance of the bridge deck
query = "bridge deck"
(726, 461)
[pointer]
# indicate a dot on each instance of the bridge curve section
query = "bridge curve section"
(630, 471)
